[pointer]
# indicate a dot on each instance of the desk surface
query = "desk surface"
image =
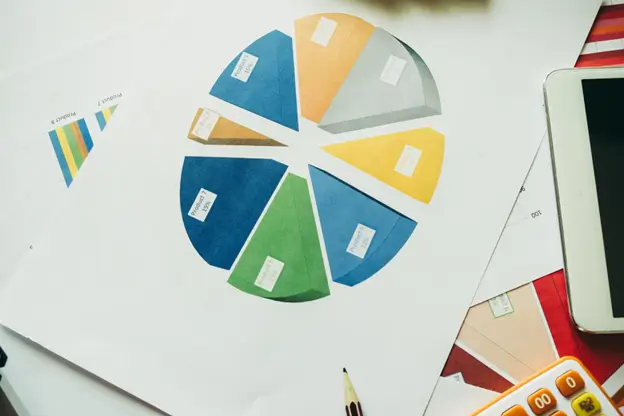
(49, 386)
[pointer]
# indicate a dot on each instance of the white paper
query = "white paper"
(324, 31)
(454, 398)
(205, 124)
(270, 272)
(202, 204)
(408, 161)
(37, 36)
(97, 75)
(451, 245)
(91, 80)
(393, 70)
(530, 246)
(361, 241)
(245, 66)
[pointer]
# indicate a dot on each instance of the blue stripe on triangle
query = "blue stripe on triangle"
(61, 157)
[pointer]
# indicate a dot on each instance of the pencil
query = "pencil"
(352, 403)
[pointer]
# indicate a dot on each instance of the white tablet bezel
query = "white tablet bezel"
(577, 200)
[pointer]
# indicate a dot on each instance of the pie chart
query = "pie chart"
(287, 236)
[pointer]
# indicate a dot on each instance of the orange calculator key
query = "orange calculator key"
(542, 401)
(517, 410)
(570, 383)
(559, 413)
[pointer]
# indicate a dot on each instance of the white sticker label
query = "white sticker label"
(393, 70)
(244, 67)
(269, 273)
(361, 241)
(202, 205)
(459, 377)
(205, 123)
(324, 31)
(408, 161)
(501, 305)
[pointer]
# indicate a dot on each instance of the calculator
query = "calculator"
(565, 388)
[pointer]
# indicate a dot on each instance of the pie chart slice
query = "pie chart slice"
(221, 200)
(283, 259)
(261, 79)
(209, 127)
(388, 83)
(361, 235)
(409, 161)
(328, 45)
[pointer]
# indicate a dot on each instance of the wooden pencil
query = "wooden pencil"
(352, 403)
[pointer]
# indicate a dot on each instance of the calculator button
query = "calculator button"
(570, 383)
(586, 404)
(517, 410)
(559, 413)
(542, 401)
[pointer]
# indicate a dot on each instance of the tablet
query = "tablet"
(585, 109)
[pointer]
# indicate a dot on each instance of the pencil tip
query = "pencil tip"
(344, 370)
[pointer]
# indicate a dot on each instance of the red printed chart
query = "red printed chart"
(511, 337)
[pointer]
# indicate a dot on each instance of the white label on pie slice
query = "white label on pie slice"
(324, 31)
(408, 161)
(202, 205)
(245, 66)
(205, 124)
(361, 241)
(269, 273)
(393, 70)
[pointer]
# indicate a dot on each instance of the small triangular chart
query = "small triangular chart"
(209, 127)
(409, 161)
(104, 116)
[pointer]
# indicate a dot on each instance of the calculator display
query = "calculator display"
(604, 108)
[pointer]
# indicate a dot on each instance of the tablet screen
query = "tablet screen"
(604, 107)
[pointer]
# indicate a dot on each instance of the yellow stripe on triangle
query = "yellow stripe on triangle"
(107, 114)
(382, 156)
(69, 158)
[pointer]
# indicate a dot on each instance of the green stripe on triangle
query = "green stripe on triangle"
(73, 145)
